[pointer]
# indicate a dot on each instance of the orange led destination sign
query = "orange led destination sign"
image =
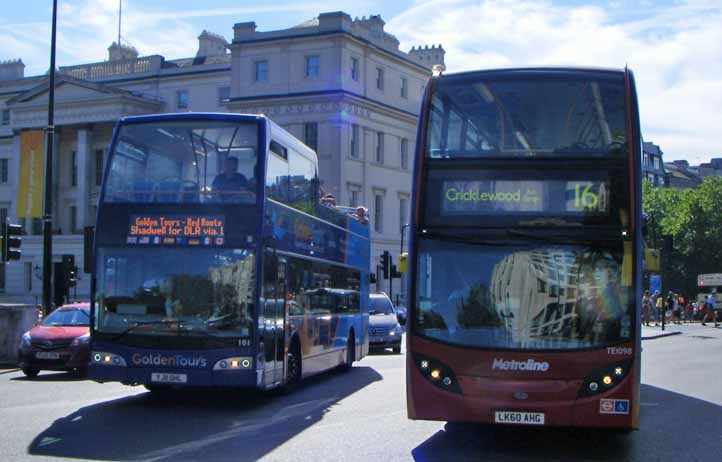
(176, 230)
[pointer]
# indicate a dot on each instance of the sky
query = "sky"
(674, 47)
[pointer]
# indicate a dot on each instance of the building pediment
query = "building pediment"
(78, 101)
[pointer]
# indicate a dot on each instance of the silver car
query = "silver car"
(384, 328)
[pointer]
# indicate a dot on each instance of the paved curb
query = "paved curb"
(666, 334)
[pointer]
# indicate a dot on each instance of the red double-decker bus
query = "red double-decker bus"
(525, 257)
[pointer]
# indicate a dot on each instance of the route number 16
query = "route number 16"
(585, 198)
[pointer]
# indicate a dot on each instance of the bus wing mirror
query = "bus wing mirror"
(88, 257)
(372, 278)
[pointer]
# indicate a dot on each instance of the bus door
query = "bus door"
(274, 314)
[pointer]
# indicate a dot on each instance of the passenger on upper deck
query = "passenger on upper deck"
(229, 182)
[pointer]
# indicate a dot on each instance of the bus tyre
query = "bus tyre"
(350, 353)
(159, 391)
(30, 372)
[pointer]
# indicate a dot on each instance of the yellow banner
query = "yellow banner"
(30, 178)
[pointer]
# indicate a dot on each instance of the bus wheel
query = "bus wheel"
(350, 352)
(30, 372)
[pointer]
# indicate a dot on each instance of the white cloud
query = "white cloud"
(86, 28)
(675, 52)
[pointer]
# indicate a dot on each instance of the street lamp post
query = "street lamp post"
(48, 203)
(403, 227)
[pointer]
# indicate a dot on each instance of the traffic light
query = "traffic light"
(73, 276)
(11, 242)
(70, 274)
(385, 264)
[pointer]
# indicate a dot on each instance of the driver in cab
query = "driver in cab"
(229, 184)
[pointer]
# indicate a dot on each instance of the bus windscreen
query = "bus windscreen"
(523, 296)
(184, 161)
(473, 116)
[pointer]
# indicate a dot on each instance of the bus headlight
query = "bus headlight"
(604, 379)
(107, 359)
(234, 364)
(437, 373)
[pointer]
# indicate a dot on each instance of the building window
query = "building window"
(3, 215)
(310, 135)
(379, 78)
(224, 94)
(404, 87)
(74, 169)
(354, 69)
(403, 206)
(404, 153)
(181, 99)
(261, 71)
(3, 170)
(380, 147)
(313, 67)
(73, 219)
(354, 141)
(645, 160)
(6, 117)
(379, 212)
(353, 197)
(99, 158)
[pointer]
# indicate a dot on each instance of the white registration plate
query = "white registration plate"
(163, 377)
(47, 355)
(520, 418)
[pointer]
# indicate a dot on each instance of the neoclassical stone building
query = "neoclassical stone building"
(342, 85)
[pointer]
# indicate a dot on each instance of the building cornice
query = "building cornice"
(265, 100)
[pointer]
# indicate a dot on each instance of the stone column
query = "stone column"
(82, 191)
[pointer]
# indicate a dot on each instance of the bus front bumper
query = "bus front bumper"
(201, 378)
(481, 400)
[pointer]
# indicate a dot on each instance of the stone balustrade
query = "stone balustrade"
(109, 69)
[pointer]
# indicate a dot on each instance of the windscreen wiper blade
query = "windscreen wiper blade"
(466, 238)
(136, 324)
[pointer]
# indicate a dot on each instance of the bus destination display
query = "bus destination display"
(482, 197)
(189, 230)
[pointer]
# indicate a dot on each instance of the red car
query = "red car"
(58, 343)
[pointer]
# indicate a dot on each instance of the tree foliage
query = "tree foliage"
(693, 218)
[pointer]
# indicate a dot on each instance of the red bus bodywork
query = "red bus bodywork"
(481, 390)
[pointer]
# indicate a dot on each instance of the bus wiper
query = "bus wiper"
(466, 238)
(136, 324)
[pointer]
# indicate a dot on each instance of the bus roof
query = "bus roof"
(515, 71)
(193, 115)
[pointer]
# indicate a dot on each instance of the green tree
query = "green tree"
(693, 218)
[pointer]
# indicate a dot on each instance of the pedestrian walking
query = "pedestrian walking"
(660, 307)
(646, 308)
(689, 311)
(710, 313)
(671, 299)
(677, 305)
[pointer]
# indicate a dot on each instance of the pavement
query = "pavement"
(653, 332)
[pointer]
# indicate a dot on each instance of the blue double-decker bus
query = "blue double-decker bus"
(214, 262)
